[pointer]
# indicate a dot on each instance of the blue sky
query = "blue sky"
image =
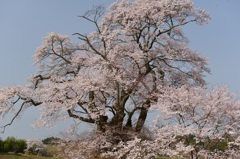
(23, 25)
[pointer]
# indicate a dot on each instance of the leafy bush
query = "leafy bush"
(12, 144)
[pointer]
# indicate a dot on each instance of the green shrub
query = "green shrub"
(12, 144)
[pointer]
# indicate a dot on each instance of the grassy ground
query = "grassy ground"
(2, 156)
(23, 157)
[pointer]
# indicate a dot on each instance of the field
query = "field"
(39, 157)
(23, 157)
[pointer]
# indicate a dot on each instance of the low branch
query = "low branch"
(40, 78)
(15, 116)
(80, 118)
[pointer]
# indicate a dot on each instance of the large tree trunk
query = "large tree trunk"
(102, 123)
(129, 121)
(117, 120)
(141, 119)
(142, 116)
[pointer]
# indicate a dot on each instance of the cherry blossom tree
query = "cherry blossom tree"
(208, 116)
(190, 120)
(136, 60)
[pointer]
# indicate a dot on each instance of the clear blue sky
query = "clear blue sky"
(24, 23)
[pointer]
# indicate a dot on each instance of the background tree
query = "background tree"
(51, 141)
(206, 121)
(1, 145)
(9, 144)
(21, 145)
(12, 144)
